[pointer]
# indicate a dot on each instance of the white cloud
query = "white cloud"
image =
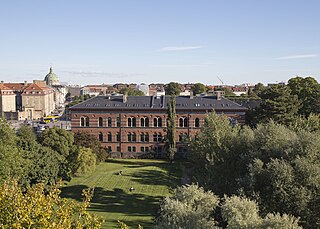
(179, 48)
(297, 57)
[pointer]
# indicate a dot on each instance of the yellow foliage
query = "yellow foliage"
(38, 208)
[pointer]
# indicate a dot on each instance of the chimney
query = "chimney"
(2, 82)
(219, 95)
(25, 83)
(191, 94)
(125, 97)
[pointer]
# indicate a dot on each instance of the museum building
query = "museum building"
(133, 125)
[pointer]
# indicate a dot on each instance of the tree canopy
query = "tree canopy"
(198, 88)
(131, 92)
(37, 208)
(172, 88)
(275, 165)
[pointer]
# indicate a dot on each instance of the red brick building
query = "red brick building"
(133, 125)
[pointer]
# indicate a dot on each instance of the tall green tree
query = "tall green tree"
(308, 92)
(171, 128)
(61, 141)
(12, 163)
(198, 88)
(44, 163)
(172, 88)
(85, 162)
(278, 104)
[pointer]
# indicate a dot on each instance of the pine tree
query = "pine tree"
(171, 127)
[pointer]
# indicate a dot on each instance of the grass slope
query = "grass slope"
(152, 180)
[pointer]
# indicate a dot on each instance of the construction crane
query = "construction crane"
(220, 80)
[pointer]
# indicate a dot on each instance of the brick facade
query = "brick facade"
(139, 129)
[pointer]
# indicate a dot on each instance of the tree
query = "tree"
(12, 163)
(242, 213)
(58, 139)
(87, 140)
(212, 145)
(257, 91)
(227, 91)
(190, 208)
(86, 162)
(277, 103)
(193, 207)
(44, 163)
(274, 165)
(61, 141)
(37, 208)
(198, 88)
(171, 128)
(131, 92)
(173, 88)
(308, 92)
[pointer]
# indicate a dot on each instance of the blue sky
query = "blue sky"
(109, 41)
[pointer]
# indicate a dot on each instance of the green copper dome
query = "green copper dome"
(51, 78)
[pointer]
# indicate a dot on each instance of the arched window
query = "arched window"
(109, 137)
(118, 137)
(141, 137)
(157, 122)
(132, 137)
(100, 123)
(118, 121)
(144, 137)
(87, 121)
(109, 122)
(100, 137)
(197, 122)
(183, 122)
(180, 122)
(131, 122)
(84, 121)
(144, 122)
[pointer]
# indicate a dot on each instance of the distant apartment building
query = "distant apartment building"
(7, 99)
(32, 100)
(74, 90)
(133, 125)
(156, 89)
(94, 90)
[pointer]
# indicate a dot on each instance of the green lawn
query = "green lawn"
(152, 180)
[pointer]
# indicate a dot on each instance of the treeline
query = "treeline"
(266, 176)
(52, 155)
(284, 103)
(262, 175)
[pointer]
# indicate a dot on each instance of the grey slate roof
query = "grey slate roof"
(155, 103)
